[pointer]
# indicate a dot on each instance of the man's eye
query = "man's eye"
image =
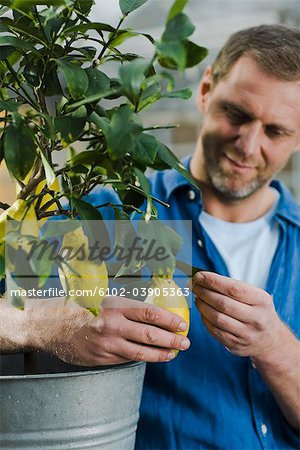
(274, 132)
(237, 118)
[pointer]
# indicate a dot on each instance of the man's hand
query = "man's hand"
(243, 318)
(125, 330)
(240, 316)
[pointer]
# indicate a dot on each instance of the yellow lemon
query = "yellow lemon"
(84, 281)
(164, 292)
(19, 211)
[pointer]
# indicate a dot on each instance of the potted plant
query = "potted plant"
(56, 92)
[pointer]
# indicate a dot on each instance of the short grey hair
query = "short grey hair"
(274, 48)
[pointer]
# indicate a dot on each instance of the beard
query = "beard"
(218, 180)
(223, 181)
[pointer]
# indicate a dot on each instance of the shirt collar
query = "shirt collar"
(175, 180)
(287, 207)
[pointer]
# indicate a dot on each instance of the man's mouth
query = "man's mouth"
(239, 165)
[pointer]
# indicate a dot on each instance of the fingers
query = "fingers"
(146, 313)
(138, 332)
(240, 316)
(150, 335)
(230, 341)
(143, 353)
(102, 357)
(115, 350)
(223, 304)
(220, 320)
(235, 289)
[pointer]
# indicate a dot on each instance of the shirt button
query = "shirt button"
(264, 429)
(191, 195)
(253, 365)
(200, 243)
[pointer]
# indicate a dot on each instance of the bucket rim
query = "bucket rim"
(93, 371)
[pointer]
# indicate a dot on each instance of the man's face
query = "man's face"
(251, 128)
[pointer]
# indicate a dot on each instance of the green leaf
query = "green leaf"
(132, 77)
(146, 149)
(87, 157)
(121, 36)
(23, 29)
(19, 150)
(51, 82)
(3, 10)
(42, 263)
(58, 228)
(165, 154)
(98, 81)
(76, 78)
(31, 73)
(126, 237)
(93, 224)
(177, 8)
(88, 52)
(184, 94)
(125, 128)
(9, 105)
(143, 181)
(130, 197)
(52, 27)
(71, 125)
(150, 95)
(145, 187)
(6, 52)
(160, 236)
(102, 123)
(84, 27)
(21, 4)
(194, 53)
(84, 6)
(172, 55)
(127, 6)
(178, 29)
(18, 44)
(95, 98)
(50, 175)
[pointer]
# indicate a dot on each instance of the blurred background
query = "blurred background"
(215, 20)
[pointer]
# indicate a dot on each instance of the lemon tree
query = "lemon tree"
(56, 93)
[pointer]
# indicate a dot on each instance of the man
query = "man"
(238, 385)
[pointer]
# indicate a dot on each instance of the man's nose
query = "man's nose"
(249, 140)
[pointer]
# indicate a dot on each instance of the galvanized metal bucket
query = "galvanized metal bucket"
(92, 409)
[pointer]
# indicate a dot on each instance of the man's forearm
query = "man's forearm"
(12, 329)
(125, 330)
(281, 371)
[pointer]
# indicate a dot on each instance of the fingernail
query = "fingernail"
(171, 355)
(182, 326)
(200, 276)
(189, 284)
(185, 344)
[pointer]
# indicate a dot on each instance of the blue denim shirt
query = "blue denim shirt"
(208, 398)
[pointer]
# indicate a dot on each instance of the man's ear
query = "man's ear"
(205, 87)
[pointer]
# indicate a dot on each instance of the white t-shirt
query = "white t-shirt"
(247, 248)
